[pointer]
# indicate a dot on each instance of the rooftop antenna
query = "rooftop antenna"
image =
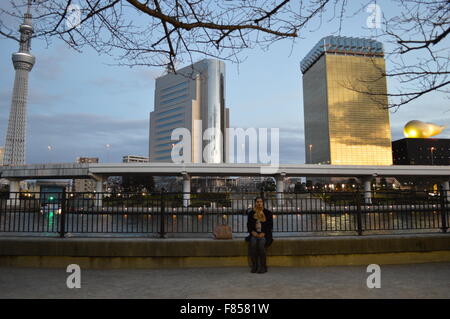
(29, 7)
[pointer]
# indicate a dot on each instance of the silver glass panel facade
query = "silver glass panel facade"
(194, 93)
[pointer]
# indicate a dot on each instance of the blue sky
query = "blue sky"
(78, 103)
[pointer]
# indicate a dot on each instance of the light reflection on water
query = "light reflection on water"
(294, 224)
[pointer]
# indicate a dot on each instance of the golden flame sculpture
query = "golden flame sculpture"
(419, 129)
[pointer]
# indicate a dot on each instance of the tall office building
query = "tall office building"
(195, 93)
(343, 124)
(23, 62)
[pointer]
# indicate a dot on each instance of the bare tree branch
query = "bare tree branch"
(164, 32)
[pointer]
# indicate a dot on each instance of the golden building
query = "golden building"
(345, 114)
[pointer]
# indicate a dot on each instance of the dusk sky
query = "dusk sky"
(78, 103)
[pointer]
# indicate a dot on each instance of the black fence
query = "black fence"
(197, 214)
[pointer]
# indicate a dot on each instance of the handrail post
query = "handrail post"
(358, 213)
(62, 219)
(162, 213)
(443, 195)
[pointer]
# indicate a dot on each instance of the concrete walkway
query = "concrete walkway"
(430, 280)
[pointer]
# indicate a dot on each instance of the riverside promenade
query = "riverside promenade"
(412, 266)
(429, 280)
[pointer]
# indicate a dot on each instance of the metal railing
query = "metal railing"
(166, 214)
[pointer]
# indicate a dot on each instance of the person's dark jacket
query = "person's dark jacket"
(266, 227)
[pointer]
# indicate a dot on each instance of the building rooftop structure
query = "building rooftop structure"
(341, 45)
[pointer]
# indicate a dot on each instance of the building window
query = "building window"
(170, 117)
(163, 151)
(169, 124)
(162, 138)
(164, 132)
(174, 86)
(176, 99)
(177, 92)
(163, 158)
(166, 144)
(171, 111)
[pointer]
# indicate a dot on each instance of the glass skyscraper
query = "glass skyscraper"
(195, 93)
(344, 125)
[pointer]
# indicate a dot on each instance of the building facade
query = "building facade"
(85, 184)
(134, 159)
(343, 124)
(193, 98)
(421, 151)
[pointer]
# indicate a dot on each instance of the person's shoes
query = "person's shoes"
(262, 270)
(254, 268)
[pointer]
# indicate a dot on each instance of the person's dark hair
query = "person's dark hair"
(259, 197)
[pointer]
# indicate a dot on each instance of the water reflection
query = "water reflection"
(178, 222)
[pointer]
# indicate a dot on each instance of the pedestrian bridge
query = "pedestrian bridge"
(100, 171)
(76, 170)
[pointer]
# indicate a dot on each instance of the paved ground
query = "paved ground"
(397, 281)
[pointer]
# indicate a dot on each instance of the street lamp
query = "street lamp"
(310, 153)
(432, 149)
(50, 153)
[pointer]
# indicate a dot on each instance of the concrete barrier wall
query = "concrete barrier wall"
(151, 253)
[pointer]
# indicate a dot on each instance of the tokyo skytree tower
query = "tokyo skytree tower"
(23, 62)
